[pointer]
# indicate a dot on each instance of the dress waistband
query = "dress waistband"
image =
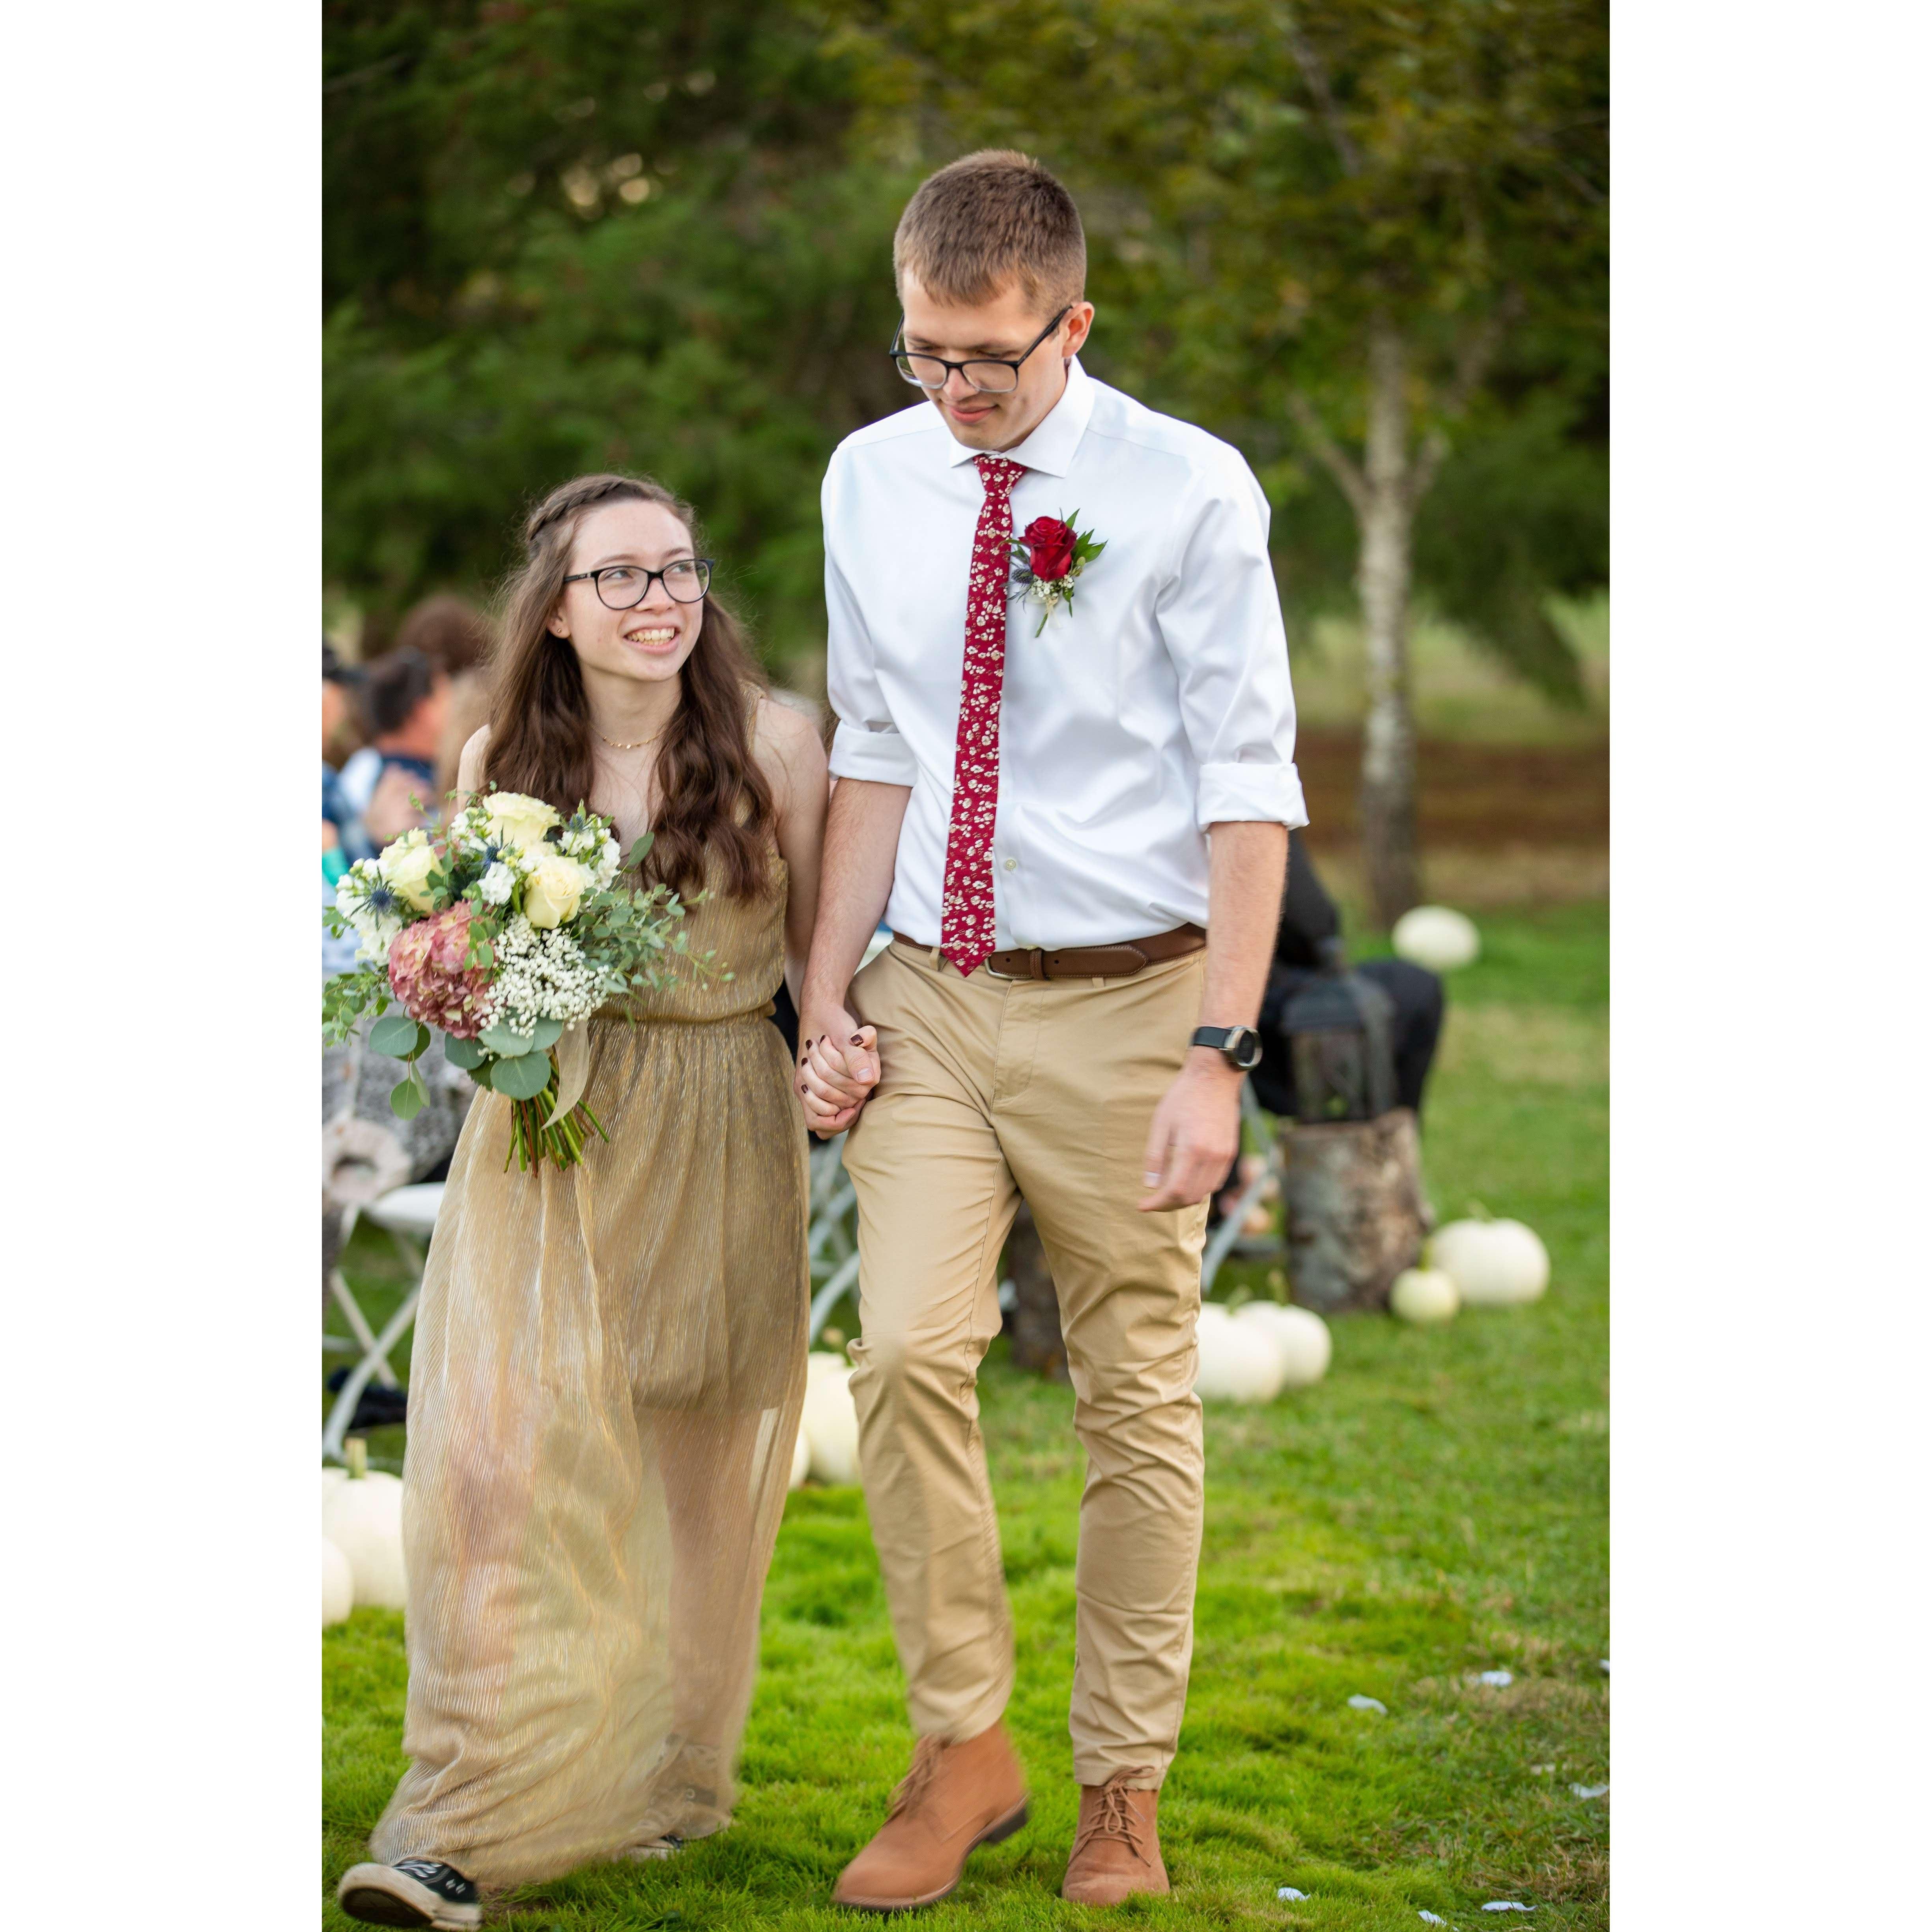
(758, 1017)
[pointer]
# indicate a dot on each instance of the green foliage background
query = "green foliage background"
(570, 234)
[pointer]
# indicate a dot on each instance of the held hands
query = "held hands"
(1195, 1134)
(838, 1068)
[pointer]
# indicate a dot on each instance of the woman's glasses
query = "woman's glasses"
(623, 586)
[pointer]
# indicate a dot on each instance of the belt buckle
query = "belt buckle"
(1036, 958)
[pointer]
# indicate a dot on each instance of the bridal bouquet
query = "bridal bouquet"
(506, 934)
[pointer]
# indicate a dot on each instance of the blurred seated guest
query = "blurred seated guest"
(1308, 942)
(405, 704)
(343, 841)
(456, 637)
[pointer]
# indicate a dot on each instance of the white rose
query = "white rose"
(519, 821)
(497, 884)
(406, 866)
(556, 886)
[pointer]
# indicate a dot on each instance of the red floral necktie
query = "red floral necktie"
(966, 906)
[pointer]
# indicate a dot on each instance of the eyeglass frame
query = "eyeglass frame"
(591, 577)
(1004, 361)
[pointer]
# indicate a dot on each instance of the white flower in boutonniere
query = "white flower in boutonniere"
(1050, 554)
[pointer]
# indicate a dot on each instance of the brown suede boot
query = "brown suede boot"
(1117, 1848)
(955, 1796)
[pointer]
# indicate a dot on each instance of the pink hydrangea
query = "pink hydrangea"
(429, 973)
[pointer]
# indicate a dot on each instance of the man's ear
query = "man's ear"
(1079, 325)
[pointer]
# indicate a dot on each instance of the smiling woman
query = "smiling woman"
(607, 652)
(609, 1364)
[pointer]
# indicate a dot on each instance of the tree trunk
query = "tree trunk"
(1036, 1342)
(1385, 517)
(1354, 1209)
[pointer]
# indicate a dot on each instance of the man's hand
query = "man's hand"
(838, 1068)
(1195, 1134)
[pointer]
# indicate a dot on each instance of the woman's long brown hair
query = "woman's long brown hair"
(714, 800)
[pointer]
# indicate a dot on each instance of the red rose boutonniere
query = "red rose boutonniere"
(1049, 555)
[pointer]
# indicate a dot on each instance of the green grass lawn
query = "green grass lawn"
(1435, 1508)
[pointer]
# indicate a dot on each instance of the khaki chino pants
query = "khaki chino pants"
(991, 1089)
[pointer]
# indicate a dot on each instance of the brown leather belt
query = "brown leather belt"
(1089, 962)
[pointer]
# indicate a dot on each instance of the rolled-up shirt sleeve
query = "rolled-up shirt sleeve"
(867, 743)
(1219, 616)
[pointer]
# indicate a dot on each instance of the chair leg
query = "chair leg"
(359, 1326)
(344, 1411)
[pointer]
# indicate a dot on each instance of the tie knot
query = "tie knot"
(999, 473)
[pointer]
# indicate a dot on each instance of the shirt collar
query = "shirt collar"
(1055, 437)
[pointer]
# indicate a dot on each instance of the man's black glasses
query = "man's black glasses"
(989, 375)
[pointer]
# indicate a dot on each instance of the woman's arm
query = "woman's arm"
(793, 760)
(470, 768)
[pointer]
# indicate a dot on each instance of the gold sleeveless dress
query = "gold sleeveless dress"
(604, 1401)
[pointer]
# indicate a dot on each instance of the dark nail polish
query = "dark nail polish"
(856, 1040)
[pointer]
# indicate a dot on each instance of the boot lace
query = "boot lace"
(913, 1787)
(1114, 1818)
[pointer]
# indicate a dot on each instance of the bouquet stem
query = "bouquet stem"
(562, 1142)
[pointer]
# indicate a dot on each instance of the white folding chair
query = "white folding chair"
(408, 1216)
(1228, 1238)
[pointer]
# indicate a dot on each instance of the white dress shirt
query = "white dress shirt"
(1157, 704)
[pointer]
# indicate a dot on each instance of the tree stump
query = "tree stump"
(1355, 1211)
(1036, 1341)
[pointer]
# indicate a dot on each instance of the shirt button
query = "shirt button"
(1011, 863)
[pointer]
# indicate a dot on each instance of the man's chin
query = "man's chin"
(986, 432)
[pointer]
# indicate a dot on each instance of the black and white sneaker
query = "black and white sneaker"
(412, 1891)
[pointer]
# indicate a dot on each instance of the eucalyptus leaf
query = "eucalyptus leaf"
(523, 1079)
(395, 1034)
(480, 1075)
(635, 856)
(548, 1034)
(506, 1044)
(464, 1053)
(407, 1101)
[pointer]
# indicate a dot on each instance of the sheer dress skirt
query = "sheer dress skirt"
(603, 1399)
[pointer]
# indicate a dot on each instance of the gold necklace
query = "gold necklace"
(618, 744)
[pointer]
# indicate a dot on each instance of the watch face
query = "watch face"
(1244, 1048)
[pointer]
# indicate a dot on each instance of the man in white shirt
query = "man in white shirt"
(1074, 813)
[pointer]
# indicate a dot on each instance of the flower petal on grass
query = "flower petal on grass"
(1501, 1679)
(1429, 1919)
(1289, 1892)
(1589, 1790)
(1359, 1702)
(1507, 1905)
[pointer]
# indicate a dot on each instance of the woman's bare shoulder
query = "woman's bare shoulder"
(469, 766)
(787, 740)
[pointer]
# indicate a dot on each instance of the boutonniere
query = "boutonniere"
(1049, 555)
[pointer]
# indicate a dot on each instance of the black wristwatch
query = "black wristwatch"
(1240, 1047)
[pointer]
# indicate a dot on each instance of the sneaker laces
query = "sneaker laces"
(1114, 1818)
(913, 1787)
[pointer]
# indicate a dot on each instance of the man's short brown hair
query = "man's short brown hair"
(989, 219)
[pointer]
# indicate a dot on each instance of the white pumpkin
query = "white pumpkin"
(801, 1459)
(1437, 937)
(1301, 1335)
(819, 1362)
(338, 1585)
(1424, 1295)
(1236, 1361)
(831, 1425)
(1495, 1264)
(363, 1517)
